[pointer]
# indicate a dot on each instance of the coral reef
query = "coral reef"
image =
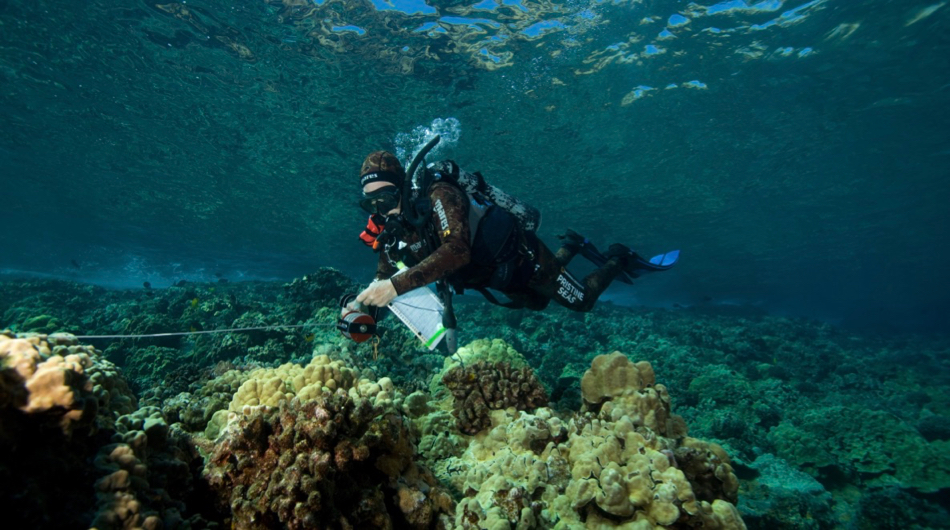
(482, 387)
(329, 461)
(780, 496)
(856, 424)
(56, 378)
(145, 475)
(749, 381)
(866, 446)
(47, 306)
(626, 459)
(322, 288)
(75, 449)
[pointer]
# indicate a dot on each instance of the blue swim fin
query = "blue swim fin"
(636, 267)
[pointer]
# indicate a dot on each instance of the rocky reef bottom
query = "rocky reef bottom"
(624, 418)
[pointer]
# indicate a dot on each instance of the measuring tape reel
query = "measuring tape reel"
(356, 325)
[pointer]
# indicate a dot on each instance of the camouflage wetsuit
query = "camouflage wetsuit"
(539, 276)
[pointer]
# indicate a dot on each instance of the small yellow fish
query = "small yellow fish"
(309, 338)
(194, 302)
(193, 329)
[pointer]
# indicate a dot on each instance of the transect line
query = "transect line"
(180, 333)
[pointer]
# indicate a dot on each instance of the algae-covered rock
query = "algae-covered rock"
(866, 445)
(780, 496)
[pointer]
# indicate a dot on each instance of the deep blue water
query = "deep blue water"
(796, 152)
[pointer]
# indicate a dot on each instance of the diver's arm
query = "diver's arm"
(378, 293)
(381, 291)
(450, 221)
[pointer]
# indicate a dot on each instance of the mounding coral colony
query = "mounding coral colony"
(482, 439)
(317, 446)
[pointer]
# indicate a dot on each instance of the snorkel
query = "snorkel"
(413, 214)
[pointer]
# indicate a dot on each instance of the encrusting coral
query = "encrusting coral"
(482, 387)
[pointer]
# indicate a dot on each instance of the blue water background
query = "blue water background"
(798, 153)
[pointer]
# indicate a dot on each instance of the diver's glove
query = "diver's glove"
(374, 227)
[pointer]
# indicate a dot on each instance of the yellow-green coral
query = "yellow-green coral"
(269, 386)
(513, 471)
(625, 462)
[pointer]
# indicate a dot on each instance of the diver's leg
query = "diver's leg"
(529, 299)
(573, 242)
(555, 282)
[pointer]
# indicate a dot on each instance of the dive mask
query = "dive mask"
(380, 201)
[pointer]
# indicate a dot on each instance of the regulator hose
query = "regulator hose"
(409, 210)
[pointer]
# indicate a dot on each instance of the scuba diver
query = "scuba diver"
(452, 228)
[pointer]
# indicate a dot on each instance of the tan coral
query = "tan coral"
(20, 355)
(644, 402)
(268, 386)
(624, 461)
(613, 376)
(63, 378)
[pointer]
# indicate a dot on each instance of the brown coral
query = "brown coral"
(614, 386)
(482, 387)
(144, 475)
(59, 404)
(334, 461)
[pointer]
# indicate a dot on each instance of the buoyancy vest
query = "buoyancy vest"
(496, 220)
(498, 227)
(527, 216)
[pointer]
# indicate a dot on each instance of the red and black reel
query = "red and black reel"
(356, 325)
